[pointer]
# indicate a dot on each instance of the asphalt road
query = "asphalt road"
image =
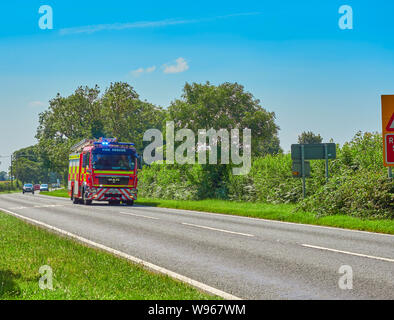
(249, 258)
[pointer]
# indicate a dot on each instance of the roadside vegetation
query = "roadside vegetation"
(62, 193)
(358, 185)
(279, 212)
(6, 187)
(79, 272)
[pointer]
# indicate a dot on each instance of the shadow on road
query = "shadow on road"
(146, 204)
(8, 286)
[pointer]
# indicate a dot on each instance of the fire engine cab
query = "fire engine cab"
(103, 170)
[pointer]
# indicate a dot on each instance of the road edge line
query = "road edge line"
(194, 283)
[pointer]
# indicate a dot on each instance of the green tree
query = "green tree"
(27, 166)
(26, 170)
(126, 117)
(67, 121)
(227, 106)
(309, 138)
(85, 115)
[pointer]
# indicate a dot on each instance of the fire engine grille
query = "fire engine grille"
(111, 195)
(114, 181)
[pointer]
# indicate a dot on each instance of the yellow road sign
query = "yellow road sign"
(388, 129)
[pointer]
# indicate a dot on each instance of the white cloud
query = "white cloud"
(139, 71)
(144, 24)
(180, 66)
(151, 69)
(36, 104)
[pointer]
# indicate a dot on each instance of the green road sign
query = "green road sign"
(302, 152)
(314, 151)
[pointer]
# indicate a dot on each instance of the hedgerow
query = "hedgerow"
(358, 184)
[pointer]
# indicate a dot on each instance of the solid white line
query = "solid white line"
(350, 253)
(139, 215)
(144, 263)
(221, 230)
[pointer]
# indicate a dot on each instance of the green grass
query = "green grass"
(79, 272)
(61, 193)
(10, 191)
(3, 187)
(280, 212)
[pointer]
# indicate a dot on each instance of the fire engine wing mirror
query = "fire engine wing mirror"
(139, 162)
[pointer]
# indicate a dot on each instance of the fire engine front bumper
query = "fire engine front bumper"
(109, 194)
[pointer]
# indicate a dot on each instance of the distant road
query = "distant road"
(245, 257)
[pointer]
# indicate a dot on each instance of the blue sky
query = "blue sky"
(292, 56)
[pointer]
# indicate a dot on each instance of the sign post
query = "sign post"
(388, 132)
(302, 152)
(326, 155)
(303, 171)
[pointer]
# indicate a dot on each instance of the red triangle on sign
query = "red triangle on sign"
(390, 125)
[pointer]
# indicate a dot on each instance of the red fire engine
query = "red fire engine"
(103, 170)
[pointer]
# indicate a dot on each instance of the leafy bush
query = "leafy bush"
(6, 186)
(174, 182)
(358, 184)
(363, 193)
(269, 180)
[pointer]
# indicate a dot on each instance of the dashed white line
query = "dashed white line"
(221, 230)
(139, 215)
(50, 206)
(40, 206)
(294, 224)
(348, 252)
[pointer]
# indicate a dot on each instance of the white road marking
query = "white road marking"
(41, 206)
(139, 215)
(144, 263)
(221, 230)
(50, 206)
(294, 224)
(350, 253)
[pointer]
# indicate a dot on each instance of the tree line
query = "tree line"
(119, 112)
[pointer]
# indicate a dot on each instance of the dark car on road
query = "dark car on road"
(28, 187)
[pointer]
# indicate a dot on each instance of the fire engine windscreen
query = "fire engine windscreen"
(113, 161)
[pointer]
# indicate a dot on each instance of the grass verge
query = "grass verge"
(61, 193)
(280, 212)
(79, 272)
(10, 191)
